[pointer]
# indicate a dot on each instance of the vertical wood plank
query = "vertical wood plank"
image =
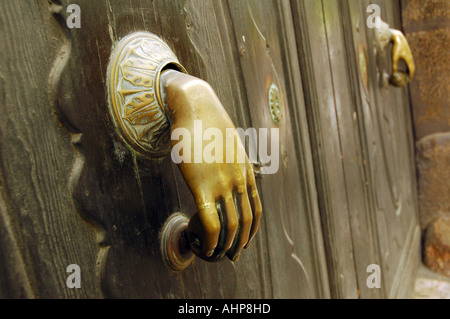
(36, 157)
(323, 118)
(391, 163)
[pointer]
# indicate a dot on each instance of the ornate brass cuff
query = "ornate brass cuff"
(135, 102)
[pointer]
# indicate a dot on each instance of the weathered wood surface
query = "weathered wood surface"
(390, 150)
(362, 149)
(70, 192)
(44, 232)
(81, 172)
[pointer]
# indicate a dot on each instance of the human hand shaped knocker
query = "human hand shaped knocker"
(224, 189)
(401, 51)
(151, 99)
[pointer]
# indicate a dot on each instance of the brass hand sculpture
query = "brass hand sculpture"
(400, 51)
(150, 98)
(229, 208)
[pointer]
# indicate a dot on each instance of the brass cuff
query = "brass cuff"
(136, 104)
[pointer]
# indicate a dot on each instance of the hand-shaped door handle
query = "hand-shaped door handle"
(400, 51)
(151, 99)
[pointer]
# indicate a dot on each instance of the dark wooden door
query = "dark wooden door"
(74, 153)
(71, 193)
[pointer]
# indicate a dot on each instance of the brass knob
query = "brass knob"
(151, 100)
(400, 51)
(175, 248)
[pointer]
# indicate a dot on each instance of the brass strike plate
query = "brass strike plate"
(135, 102)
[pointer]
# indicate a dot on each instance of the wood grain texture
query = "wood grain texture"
(36, 159)
(325, 132)
(390, 152)
(71, 192)
(362, 132)
(263, 35)
(127, 198)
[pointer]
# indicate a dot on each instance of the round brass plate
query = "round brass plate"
(175, 249)
(135, 102)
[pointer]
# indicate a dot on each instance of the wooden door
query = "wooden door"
(81, 197)
(71, 192)
(362, 144)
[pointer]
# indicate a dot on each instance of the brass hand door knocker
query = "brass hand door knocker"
(151, 98)
(400, 51)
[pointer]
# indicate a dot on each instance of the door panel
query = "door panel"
(41, 234)
(387, 123)
(325, 113)
(127, 199)
(264, 36)
(362, 146)
(71, 192)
